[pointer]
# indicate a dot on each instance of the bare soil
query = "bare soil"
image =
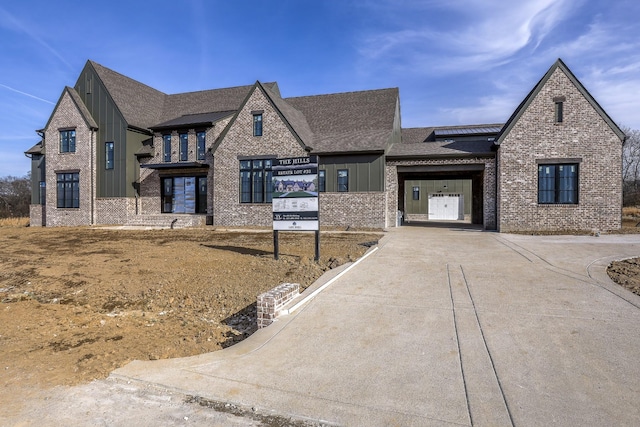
(77, 303)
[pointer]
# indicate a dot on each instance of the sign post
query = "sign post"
(295, 198)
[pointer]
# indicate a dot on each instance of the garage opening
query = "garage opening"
(434, 193)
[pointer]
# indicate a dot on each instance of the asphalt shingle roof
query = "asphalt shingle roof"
(349, 121)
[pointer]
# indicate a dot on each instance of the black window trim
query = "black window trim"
(346, 185)
(267, 179)
(66, 130)
(556, 188)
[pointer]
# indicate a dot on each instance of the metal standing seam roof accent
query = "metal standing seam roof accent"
(471, 130)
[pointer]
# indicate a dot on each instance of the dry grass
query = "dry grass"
(14, 222)
(631, 212)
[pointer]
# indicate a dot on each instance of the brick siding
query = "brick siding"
(67, 115)
(584, 135)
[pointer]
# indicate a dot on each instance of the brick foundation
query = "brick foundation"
(271, 302)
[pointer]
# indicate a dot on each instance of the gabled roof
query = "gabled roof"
(36, 149)
(350, 121)
(144, 107)
(559, 64)
(82, 108)
(140, 105)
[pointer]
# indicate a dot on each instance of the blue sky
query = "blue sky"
(454, 61)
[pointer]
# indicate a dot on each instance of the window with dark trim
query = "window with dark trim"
(343, 180)
(559, 111)
(322, 181)
(68, 186)
(256, 181)
(184, 194)
(201, 144)
(416, 193)
(558, 183)
(184, 147)
(166, 148)
(42, 194)
(68, 141)
(257, 124)
(108, 155)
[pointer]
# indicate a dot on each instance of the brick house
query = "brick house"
(116, 151)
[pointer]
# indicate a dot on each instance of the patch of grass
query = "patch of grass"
(14, 222)
(631, 212)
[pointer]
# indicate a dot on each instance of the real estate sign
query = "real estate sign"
(295, 194)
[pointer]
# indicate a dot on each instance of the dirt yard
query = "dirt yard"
(77, 303)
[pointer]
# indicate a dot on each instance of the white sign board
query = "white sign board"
(295, 194)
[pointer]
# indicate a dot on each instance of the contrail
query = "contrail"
(26, 94)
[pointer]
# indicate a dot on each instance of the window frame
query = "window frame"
(109, 155)
(343, 184)
(183, 144)
(42, 192)
(556, 186)
(67, 140)
(322, 181)
(258, 127)
(256, 180)
(415, 192)
(201, 145)
(166, 148)
(68, 190)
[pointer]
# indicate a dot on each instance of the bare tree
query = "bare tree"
(15, 196)
(631, 167)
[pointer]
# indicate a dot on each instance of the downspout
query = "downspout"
(93, 185)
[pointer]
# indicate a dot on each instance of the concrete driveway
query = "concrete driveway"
(442, 327)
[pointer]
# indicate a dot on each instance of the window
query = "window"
(558, 183)
(201, 139)
(68, 190)
(68, 141)
(184, 194)
(322, 181)
(166, 148)
(256, 178)
(343, 180)
(184, 147)
(42, 194)
(108, 155)
(257, 124)
(416, 193)
(559, 108)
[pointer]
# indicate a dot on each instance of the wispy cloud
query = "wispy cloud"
(478, 34)
(26, 94)
(12, 23)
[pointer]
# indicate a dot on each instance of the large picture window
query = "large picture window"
(68, 187)
(68, 141)
(256, 181)
(184, 194)
(558, 183)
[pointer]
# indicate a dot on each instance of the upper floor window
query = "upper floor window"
(256, 178)
(108, 155)
(343, 180)
(558, 183)
(166, 148)
(184, 147)
(68, 141)
(201, 142)
(559, 108)
(257, 124)
(68, 186)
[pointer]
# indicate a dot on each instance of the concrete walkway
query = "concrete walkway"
(443, 327)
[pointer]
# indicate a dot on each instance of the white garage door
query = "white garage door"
(446, 206)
